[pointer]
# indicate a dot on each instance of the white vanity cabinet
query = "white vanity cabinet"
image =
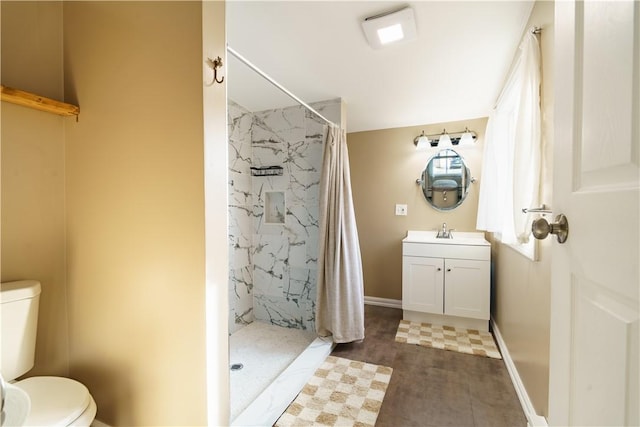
(446, 281)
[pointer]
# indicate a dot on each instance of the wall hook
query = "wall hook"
(214, 64)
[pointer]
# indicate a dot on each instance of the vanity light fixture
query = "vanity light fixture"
(446, 139)
(390, 27)
(422, 141)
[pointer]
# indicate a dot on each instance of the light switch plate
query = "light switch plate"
(401, 209)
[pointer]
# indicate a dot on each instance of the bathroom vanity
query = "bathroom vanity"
(446, 280)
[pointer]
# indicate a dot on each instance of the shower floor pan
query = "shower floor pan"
(276, 364)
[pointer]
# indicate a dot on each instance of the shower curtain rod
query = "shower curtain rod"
(278, 85)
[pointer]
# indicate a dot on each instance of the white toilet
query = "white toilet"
(55, 401)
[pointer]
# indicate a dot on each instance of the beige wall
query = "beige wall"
(33, 240)
(126, 260)
(522, 294)
(135, 209)
(32, 47)
(384, 167)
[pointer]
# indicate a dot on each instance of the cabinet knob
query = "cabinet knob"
(439, 269)
(448, 269)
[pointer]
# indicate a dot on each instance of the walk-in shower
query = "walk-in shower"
(275, 159)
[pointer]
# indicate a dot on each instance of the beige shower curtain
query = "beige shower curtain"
(340, 303)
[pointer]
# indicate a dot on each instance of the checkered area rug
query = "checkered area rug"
(342, 392)
(468, 341)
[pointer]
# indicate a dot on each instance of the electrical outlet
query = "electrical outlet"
(401, 209)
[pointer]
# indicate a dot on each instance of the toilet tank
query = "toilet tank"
(18, 326)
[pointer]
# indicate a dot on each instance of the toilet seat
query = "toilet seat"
(56, 401)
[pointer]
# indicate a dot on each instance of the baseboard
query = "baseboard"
(383, 302)
(97, 423)
(533, 419)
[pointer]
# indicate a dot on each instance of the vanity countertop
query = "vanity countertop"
(459, 238)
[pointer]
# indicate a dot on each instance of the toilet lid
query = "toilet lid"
(55, 401)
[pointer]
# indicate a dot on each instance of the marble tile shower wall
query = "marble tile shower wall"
(279, 269)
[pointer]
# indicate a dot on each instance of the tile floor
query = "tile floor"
(431, 387)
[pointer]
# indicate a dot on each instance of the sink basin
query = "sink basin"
(459, 238)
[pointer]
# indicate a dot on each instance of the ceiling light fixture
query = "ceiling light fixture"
(390, 34)
(389, 28)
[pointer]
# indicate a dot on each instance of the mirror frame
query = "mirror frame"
(427, 180)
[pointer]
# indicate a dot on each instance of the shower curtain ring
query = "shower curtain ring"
(214, 64)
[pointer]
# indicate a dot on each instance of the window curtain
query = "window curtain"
(340, 302)
(510, 177)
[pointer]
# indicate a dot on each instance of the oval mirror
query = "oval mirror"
(445, 180)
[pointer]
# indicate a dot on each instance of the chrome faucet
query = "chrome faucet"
(444, 233)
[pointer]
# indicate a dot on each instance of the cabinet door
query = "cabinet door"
(422, 284)
(467, 288)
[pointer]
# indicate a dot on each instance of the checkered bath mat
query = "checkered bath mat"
(342, 392)
(468, 341)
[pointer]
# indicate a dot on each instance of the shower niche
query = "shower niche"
(274, 207)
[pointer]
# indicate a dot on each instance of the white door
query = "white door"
(595, 282)
(422, 284)
(467, 290)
